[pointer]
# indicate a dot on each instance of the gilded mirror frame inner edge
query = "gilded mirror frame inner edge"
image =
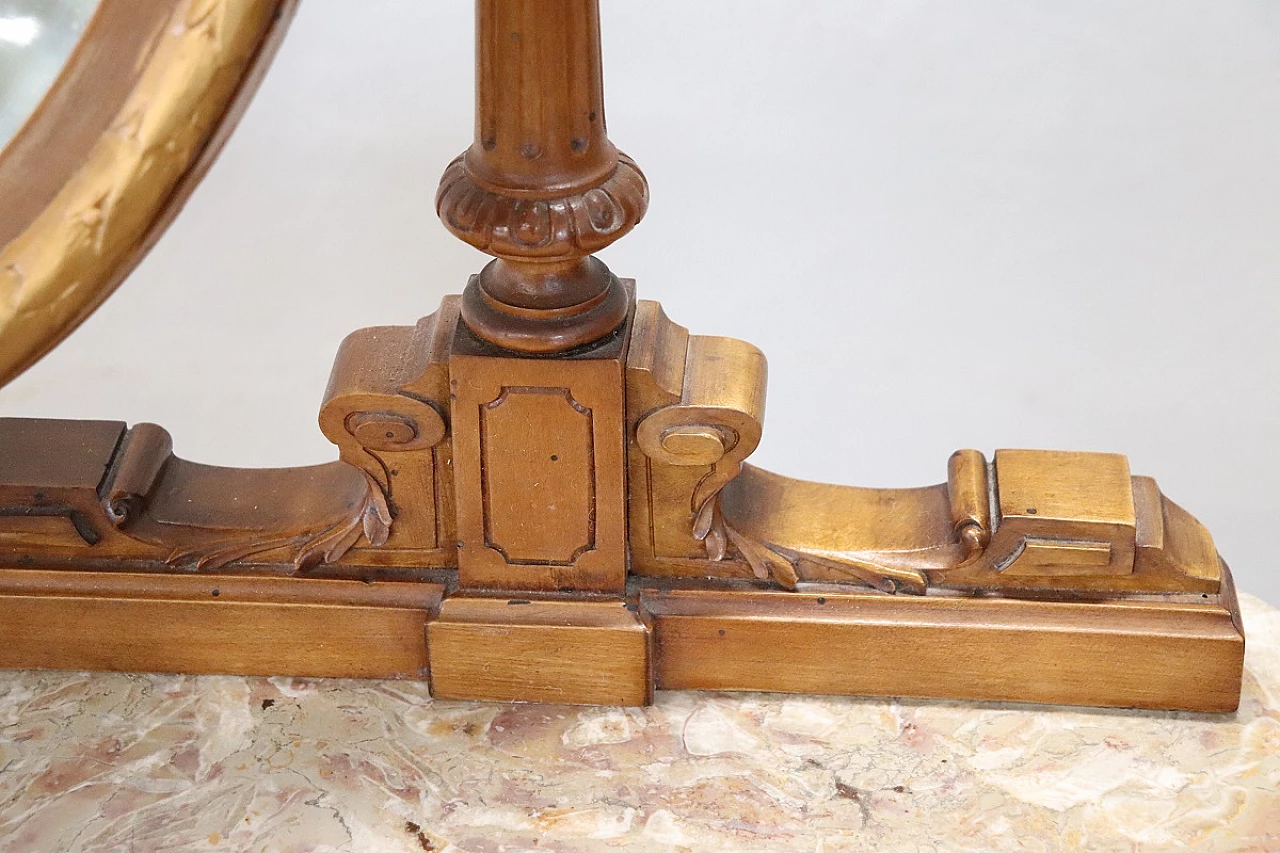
(104, 164)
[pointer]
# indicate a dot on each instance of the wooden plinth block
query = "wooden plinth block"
(206, 624)
(539, 469)
(1128, 654)
(566, 653)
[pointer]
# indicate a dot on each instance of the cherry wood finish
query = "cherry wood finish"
(543, 493)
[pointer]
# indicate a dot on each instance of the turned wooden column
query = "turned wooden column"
(542, 187)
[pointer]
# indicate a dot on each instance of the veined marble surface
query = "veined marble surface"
(169, 763)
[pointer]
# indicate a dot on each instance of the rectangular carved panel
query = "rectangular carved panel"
(539, 469)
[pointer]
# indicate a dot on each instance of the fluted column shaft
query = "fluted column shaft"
(542, 187)
(539, 97)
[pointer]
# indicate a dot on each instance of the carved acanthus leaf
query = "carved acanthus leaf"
(878, 575)
(370, 518)
(766, 563)
(788, 567)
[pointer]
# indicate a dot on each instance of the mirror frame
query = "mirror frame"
(137, 115)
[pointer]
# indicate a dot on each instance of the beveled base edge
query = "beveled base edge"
(1121, 654)
(205, 624)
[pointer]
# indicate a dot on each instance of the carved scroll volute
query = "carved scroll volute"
(700, 414)
(719, 419)
(384, 410)
(144, 452)
(968, 488)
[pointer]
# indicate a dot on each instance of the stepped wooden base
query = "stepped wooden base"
(1175, 654)
(583, 528)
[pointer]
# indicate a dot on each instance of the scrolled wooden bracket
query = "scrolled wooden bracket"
(386, 409)
(702, 401)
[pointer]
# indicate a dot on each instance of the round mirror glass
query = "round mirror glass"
(36, 37)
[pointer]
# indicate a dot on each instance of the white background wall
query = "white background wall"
(980, 223)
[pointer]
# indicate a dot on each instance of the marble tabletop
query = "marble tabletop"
(172, 763)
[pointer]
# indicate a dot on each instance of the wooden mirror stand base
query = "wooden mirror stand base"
(583, 529)
(542, 495)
